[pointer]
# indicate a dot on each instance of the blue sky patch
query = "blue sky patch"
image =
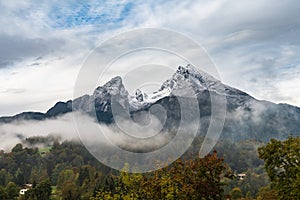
(82, 13)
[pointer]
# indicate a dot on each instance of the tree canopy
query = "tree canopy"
(282, 163)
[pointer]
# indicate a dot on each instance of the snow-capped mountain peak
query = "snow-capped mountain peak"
(114, 86)
(189, 77)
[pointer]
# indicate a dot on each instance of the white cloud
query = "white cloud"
(251, 42)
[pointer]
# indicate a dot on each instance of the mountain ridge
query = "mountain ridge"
(247, 117)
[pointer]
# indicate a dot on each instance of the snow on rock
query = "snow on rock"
(141, 99)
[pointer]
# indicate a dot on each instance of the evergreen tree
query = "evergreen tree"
(282, 162)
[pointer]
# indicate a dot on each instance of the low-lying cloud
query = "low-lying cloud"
(65, 128)
(16, 132)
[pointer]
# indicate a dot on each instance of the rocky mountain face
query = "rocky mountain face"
(246, 117)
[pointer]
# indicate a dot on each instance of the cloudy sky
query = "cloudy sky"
(254, 44)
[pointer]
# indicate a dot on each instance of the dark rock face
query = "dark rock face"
(59, 108)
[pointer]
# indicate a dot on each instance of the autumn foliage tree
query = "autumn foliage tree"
(193, 179)
(200, 178)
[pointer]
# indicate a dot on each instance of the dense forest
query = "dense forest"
(44, 168)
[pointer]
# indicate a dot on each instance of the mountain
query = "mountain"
(246, 117)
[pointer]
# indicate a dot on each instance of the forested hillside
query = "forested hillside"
(66, 170)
